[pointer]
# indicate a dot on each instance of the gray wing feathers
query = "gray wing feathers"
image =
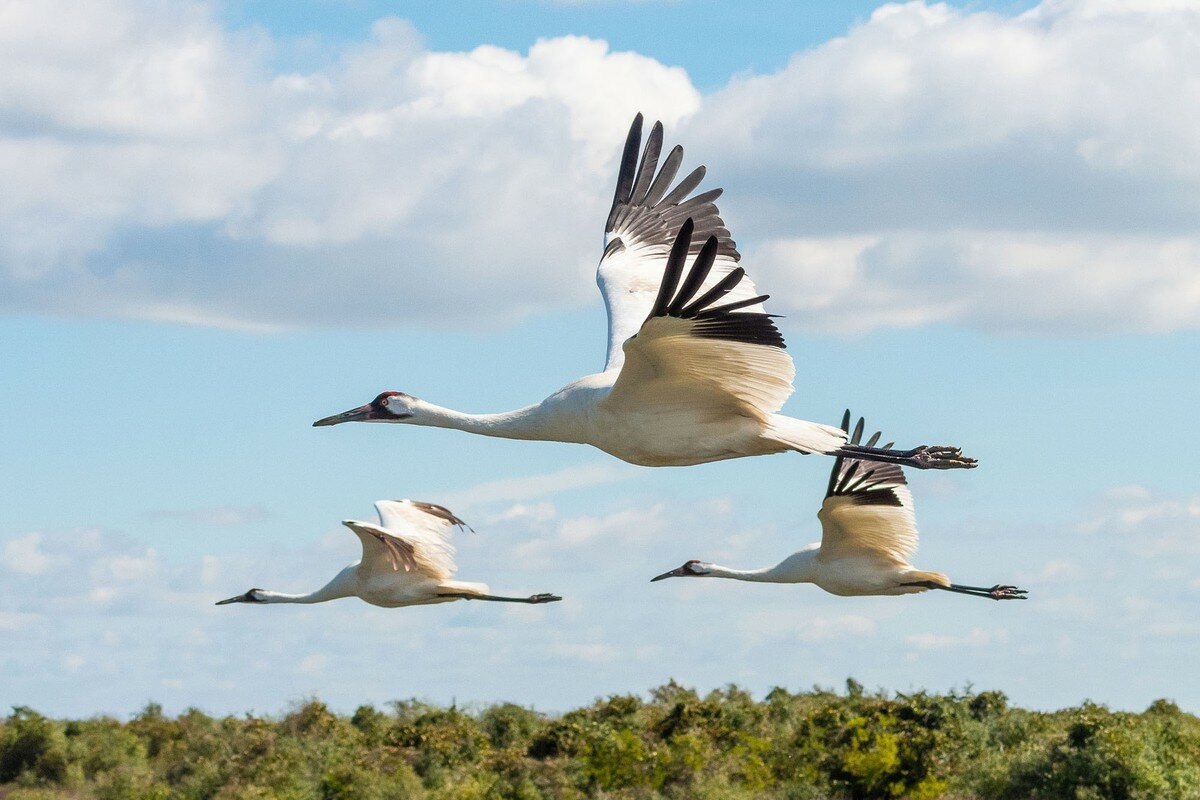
(643, 211)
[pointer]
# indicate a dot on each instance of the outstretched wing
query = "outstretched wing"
(642, 225)
(868, 507)
(701, 348)
(411, 537)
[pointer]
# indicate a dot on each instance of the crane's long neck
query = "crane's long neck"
(796, 568)
(530, 422)
(340, 586)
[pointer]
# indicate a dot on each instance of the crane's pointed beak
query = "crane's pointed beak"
(675, 573)
(247, 597)
(353, 415)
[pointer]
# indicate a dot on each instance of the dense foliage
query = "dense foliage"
(677, 744)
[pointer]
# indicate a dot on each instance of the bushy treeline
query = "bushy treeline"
(676, 744)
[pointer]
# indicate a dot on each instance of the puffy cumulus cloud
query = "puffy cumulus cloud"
(157, 170)
(1036, 172)
(1010, 281)
(1030, 172)
(24, 555)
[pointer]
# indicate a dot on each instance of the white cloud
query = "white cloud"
(526, 487)
(312, 664)
(24, 555)
(1147, 522)
(592, 653)
(113, 607)
(15, 621)
(1036, 172)
(590, 538)
(976, 637)
(819, 629)
(1013, 280)
(159, 172)
(126, 568)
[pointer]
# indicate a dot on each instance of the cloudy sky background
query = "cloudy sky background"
(221, 221)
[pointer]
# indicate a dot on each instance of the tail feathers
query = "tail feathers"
(807, 437)
(463, 587)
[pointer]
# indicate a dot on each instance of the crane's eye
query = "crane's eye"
(387, 400)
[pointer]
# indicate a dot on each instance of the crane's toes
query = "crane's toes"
(544, 598)
(999, 592)
(940, 457)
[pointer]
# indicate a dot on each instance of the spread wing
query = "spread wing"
(868, 508)
(646, 215)
(411, 537)
(701, 348)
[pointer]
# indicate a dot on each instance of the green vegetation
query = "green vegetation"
(676, 744)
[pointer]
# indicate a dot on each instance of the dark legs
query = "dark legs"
(997, 592)
(923, 457)
(532, 599)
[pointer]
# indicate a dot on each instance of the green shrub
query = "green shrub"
(675, 744)
(32, 749)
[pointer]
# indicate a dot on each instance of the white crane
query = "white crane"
(695, 372)
(868, 535)
(407, 560)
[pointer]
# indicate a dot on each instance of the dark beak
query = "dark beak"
(247, 597)
(678, 572)
(353, 415)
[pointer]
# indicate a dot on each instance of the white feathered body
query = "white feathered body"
(666, 425)
(381, 589)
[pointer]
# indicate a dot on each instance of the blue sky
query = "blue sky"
(228, 220)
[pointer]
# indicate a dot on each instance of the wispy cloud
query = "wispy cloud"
(976, 637)
(213, 515)
(527, 487)
(1147, 522)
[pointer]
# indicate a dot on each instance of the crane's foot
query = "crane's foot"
(544, 598)
(939, 457)
(999, 592)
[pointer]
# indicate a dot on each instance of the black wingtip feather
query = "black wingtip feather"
(837, 463)
(685, 186)
(728, 307)
(856, 437)
(873, 485)
(648, 165)
(670, 168)
(721, 322)
(701, 266)
(625, 177)
(673, 270)
(722, 288)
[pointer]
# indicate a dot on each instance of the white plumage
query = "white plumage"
(407, 559)
(868, 537)
(696, 370)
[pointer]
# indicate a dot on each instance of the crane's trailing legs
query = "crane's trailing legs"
(532, 599)
(923, 457)
(997, 592)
